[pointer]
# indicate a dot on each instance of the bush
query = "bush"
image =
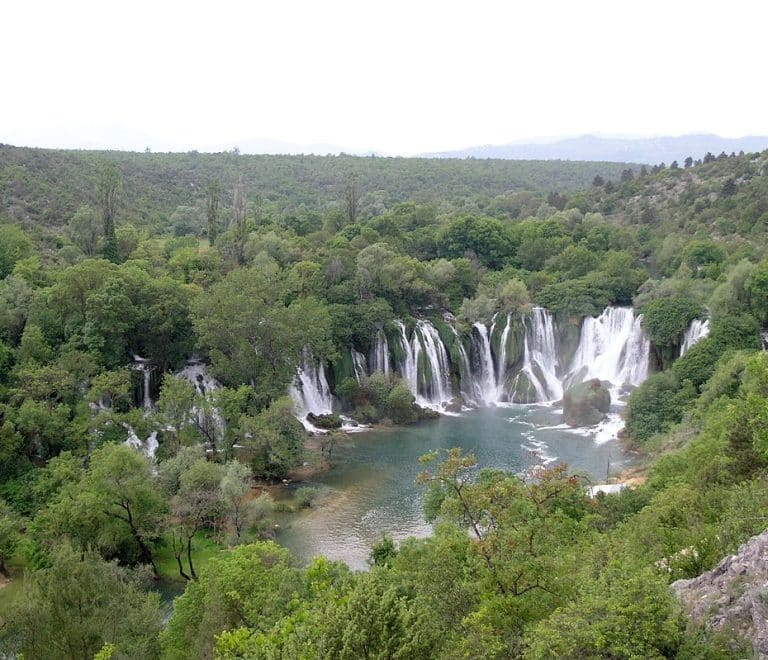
(656, 405)
(665, 320)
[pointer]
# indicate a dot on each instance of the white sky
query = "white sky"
(399, 77)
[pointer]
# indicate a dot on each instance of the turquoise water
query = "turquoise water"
(371, 490)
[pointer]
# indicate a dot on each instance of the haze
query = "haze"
(396, 77)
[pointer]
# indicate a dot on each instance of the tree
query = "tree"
(84, 229)
(273, 440)
(120, 486)
(351, 199)
(235, 487)
(212, 209)
(197, 504)
(688, 162)
(253, 336)
(623, 614)
(729, 187)
(71, 609)
(14, 246)
(598, 181)
(239, 227)
(10, 535)
(253, 587)
(108, 193)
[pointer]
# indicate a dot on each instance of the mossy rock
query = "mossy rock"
(586, 404)
(523, 390)
(324, 421)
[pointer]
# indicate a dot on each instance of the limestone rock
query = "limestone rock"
(734, 595)
(585, 404)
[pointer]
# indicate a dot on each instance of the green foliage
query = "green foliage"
(253, 586)
(655, 405)
(665, 320)
(273, 441)
(14, 246)
(623, 614)
(80, 603)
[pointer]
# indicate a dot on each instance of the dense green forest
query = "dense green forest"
(248, 262)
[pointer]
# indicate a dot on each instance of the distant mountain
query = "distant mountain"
(614, 149)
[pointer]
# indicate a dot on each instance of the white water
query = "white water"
(407, 366)
(485, 381)
(359, 365)
(540, 361)
(380, 358)
(612, 348)
(209, 419)
(435, 384)
(141, 364)
(310, 391)
(696, 331)
(148, 447)
(466, 380)
(501, 366)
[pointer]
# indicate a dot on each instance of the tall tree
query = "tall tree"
(108, 192)
(238, 219)
(212, 209)
(351, 199)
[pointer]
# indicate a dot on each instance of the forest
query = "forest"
(155, 310)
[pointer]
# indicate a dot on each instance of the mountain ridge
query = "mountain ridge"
(588, 147)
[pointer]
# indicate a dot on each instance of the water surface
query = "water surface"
(372, 491)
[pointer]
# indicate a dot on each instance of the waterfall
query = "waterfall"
(148, 447)
(697, 330)
(359, 365)
(407, 366)
(208, 416)
(434, 383)
(310, 391)
(197, 374)
(540, 362)
(380, 357)
(501, 367)
(485, 381)
(141, 364)
(612, 348)
(466, 380)
(424, 365)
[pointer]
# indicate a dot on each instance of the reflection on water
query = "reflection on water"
(372, 489)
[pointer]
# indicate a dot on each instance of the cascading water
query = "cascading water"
(697, 330)
(540, 363)
(407, 366)
(424, 365)
(380, 357)
(434, 385)
(359, 365)
(310, 391)
(501, 366)
(612, 348)
(484, 382)
(466, 379)
(142, 364)
(208, 416)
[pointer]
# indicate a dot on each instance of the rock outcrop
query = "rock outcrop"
(586, 404)
(734, 595)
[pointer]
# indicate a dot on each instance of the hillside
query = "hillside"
(39, 186)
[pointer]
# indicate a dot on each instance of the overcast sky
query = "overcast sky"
(398, 77)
